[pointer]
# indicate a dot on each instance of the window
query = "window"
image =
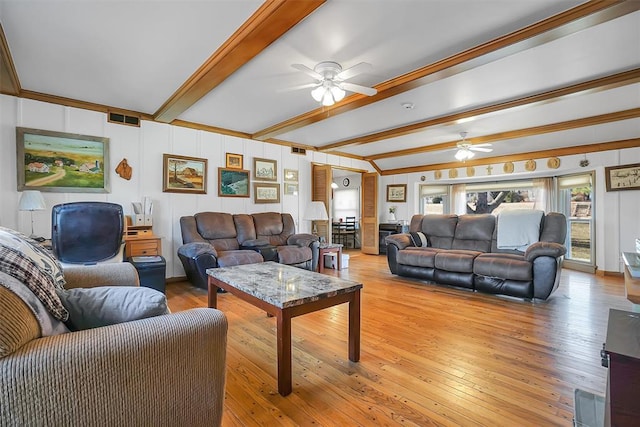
(493, 197)
(575, 200)
(346, 203)
(434, 199)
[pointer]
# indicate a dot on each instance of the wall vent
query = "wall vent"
(298, 150)
(123, 119)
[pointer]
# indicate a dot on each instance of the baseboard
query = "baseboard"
(176, 279)
(603, 273)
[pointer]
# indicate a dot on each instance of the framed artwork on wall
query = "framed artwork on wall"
(291, 175)
(234, 161)
(397, 193)
(233, 183)
(266, 193)
(61, 162)
(265, 170)
(182, 174)
(291, 188)
(624, 177)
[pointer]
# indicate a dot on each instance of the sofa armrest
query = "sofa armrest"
(302, 239)
(195, 249)
(165, 370)
(401, 240)
(90, 276)
(550, 249)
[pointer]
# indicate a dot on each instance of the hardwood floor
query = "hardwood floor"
(431, 355)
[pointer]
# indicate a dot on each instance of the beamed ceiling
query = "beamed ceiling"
(533, 78)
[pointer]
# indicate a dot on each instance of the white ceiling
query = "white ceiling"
(134, 55)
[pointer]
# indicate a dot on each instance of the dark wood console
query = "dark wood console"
(386, 229)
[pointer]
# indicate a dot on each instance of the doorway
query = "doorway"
(345, 207)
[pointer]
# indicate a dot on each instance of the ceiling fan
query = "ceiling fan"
(330, 85)
(466, 150)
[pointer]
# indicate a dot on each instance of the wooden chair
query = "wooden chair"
(348, 233)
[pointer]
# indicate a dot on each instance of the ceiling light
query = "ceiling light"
(464, 154)
(334, 185)
(328, 93)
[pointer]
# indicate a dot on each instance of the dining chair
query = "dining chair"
(349, 232)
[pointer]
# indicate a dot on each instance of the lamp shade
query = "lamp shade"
(31, 200)
(316, 212)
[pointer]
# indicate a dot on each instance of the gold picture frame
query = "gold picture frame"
(265, 169)
(182, 174)
(234, 161)
(397, 193)
(291, 188)
(266, 192)
(291, 175)
(62, 162)
(624, 177)
(233, 182)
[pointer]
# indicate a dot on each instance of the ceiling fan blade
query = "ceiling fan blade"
(354, 71)
(369, 91)
(484, 144)
(303, 86)
(482, 149)
(308, 71)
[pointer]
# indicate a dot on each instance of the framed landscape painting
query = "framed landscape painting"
(183, 174)
(233, 183)
(234, 161)
(625, 177)
(61, 162)
(265, 169)
(266, 193)
(397, 193)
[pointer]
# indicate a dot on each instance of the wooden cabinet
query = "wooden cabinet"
(140, 241)
(622, 351)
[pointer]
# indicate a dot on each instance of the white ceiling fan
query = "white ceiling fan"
(330, 85)
(466, 150)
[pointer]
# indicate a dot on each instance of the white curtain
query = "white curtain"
(459, 199)
(543, 194)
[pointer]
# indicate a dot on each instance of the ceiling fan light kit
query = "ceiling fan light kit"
(331, 86)
(466, 150)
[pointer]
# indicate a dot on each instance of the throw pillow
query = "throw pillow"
(24, 269)
(418, 239)
(108, 305)
(32, 249)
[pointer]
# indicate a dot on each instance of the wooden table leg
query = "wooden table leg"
(321, 260)
(354, 327)
(212, 297)
(284, 353)
(339, 260)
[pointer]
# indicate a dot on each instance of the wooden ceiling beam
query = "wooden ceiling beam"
(9, 82)
(578, 18)
(556, 152)
(518, 133)
(599, 84)
(266, 25)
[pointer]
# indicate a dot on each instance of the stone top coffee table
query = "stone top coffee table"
(286, 292)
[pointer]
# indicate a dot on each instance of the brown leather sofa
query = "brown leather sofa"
(462, 251)
(218, 239)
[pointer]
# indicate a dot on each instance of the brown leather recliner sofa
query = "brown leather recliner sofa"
(218, 239)
(463, 251)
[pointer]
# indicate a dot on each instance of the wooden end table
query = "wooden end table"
(286, 292)
(329, 248)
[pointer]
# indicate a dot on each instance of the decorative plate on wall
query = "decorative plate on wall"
(553, 163)
(437, 174)
(508, 167)
(530, 165)
(453, 173)
(471, 171)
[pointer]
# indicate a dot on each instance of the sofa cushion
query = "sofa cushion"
(439, 229)
(215, 225)
(418, 239)
(24, 269)
(238, 257)
(291, 255)
(42, 257)
(460, 261)
(108, 305)
(18, 325)
(418, 257)
(474, 232)
(506, 266)
(274, 227)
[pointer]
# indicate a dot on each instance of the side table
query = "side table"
(326, 248)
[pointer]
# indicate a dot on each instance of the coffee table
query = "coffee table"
(286, 292)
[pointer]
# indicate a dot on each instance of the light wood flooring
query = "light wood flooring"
(431, 355)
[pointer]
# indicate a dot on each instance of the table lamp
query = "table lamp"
(31, 200)
(316, 212)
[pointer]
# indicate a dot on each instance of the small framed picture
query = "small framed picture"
(291, 188)
(266, 193)
(291, 175)
(265, 169)
(234, 161)
(397, 193)
(183, 174)
(233, 183)
(624, 177)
